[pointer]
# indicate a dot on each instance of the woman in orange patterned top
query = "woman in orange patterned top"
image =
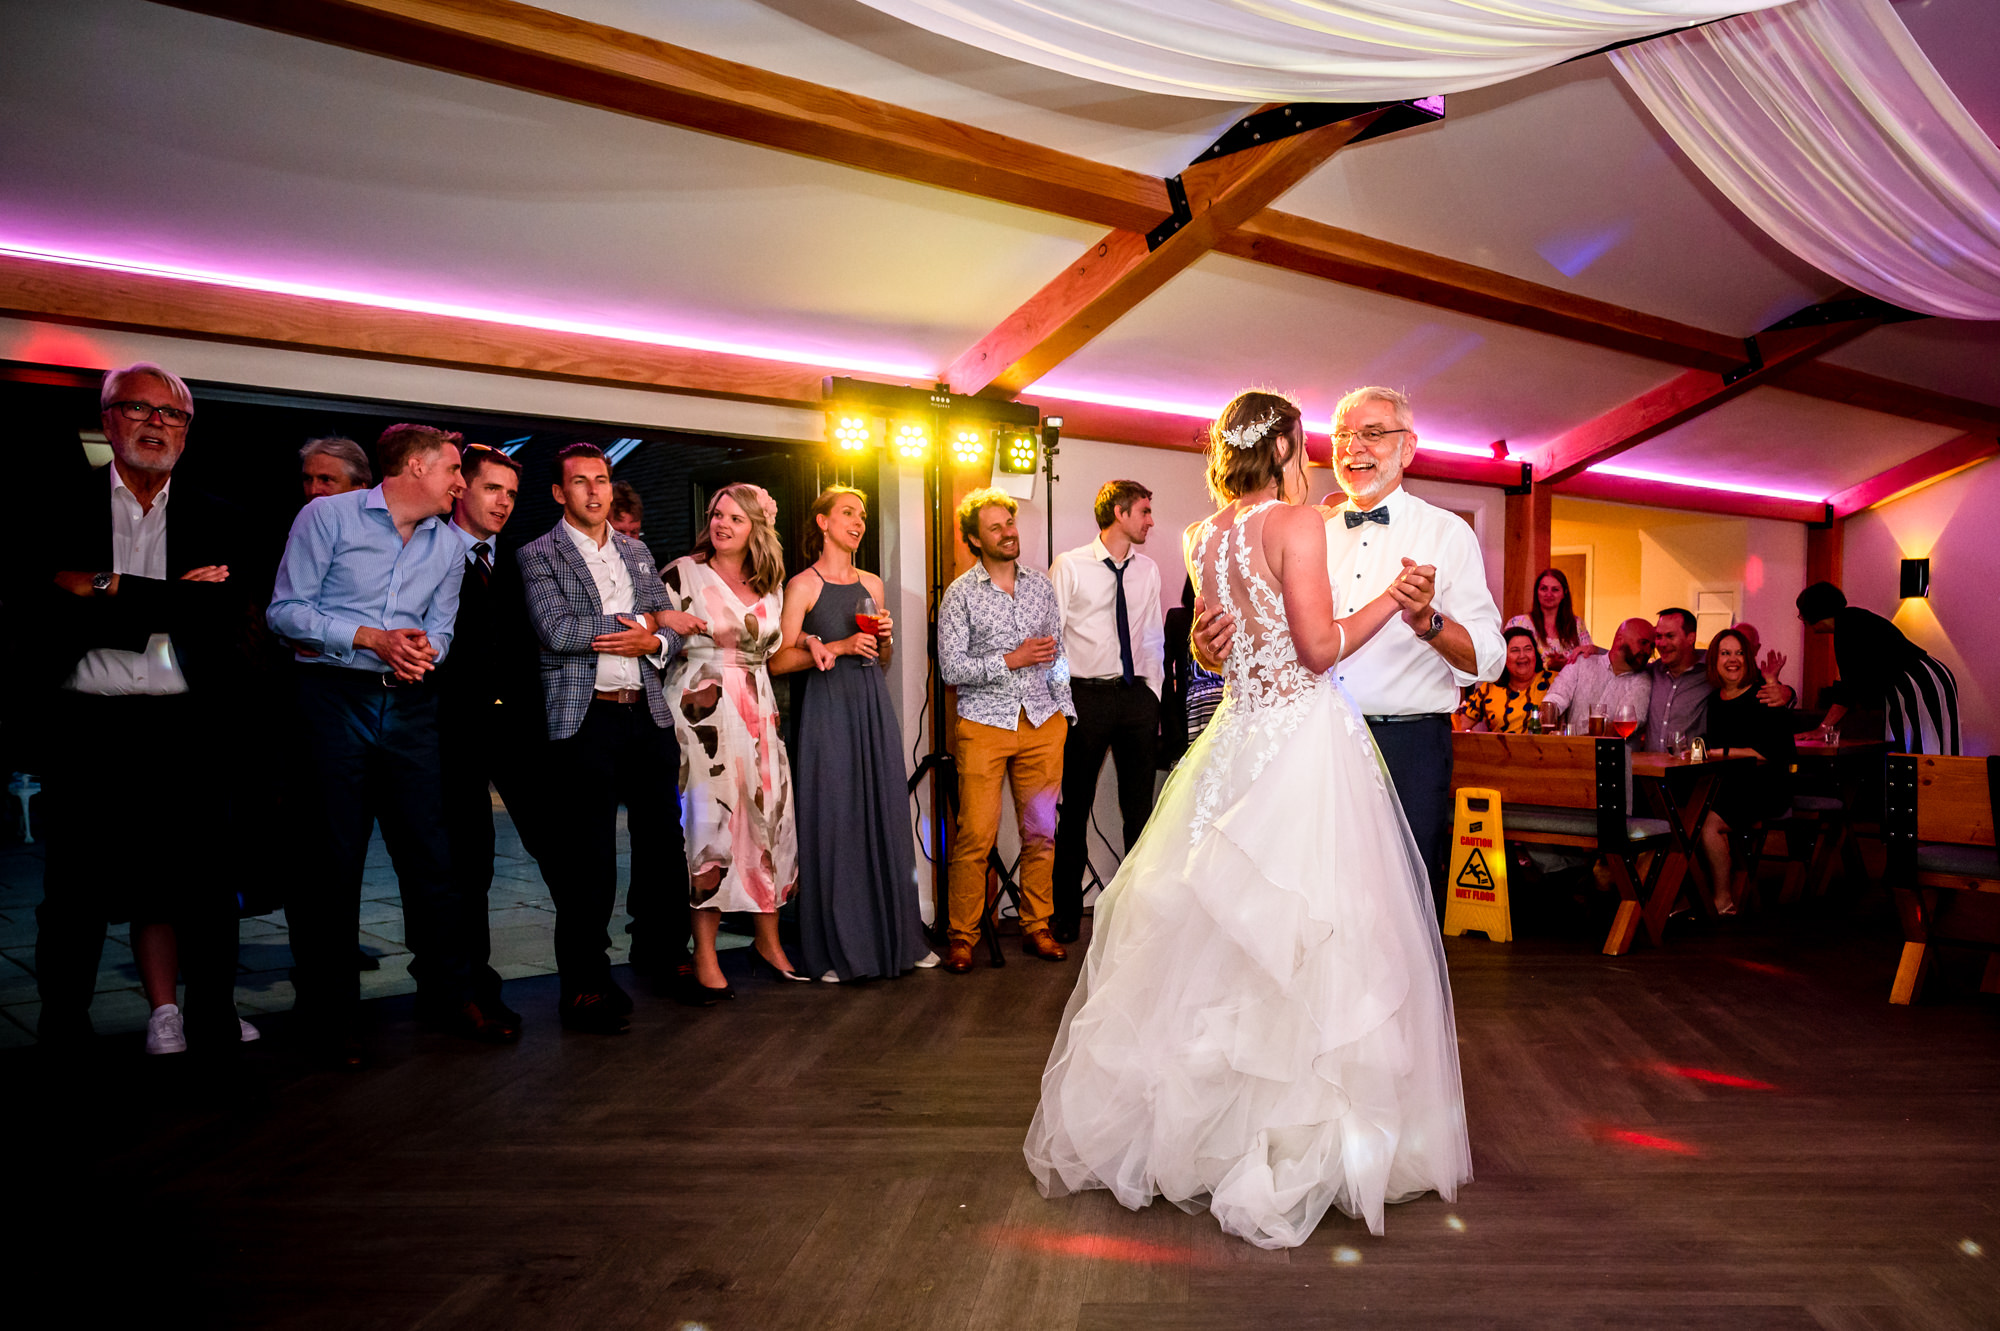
(1502, 706)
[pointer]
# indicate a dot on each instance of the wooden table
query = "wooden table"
(1682, 793)
(1843, 768)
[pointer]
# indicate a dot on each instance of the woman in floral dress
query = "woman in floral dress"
(736, 788)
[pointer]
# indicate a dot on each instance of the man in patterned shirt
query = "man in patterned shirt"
(1000, 644)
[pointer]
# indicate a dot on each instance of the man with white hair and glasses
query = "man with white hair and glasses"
(1405, 683)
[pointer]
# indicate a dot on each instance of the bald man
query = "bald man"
(1610, 679)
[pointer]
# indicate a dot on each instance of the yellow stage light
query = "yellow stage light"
(851, 433)
(912, 440)
(1017, 452)
(968, 445)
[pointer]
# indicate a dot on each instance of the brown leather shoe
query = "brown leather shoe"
(958, 958)
(1041, 943)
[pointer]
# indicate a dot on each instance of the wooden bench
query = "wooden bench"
(1943, 867)
(1573, 792)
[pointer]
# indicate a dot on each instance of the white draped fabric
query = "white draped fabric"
(1302, 50)
(1826, 124)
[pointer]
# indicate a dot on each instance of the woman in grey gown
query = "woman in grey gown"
(857, 899)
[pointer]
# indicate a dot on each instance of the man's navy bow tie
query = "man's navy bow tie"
(1354, 519)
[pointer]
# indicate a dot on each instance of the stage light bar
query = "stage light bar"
(1018, 455)
(912, 440)
(850, 432)
(968, 445)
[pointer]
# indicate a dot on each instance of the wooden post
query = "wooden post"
(1527, 549)
(1823, 564)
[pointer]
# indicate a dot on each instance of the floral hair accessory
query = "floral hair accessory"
(1249, 436)
(764, 501)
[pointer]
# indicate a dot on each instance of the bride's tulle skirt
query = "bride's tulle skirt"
(1263, 1025)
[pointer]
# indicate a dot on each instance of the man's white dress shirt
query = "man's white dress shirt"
(614, 595)
(138, 548)
(1087, 597)
(1395, 673)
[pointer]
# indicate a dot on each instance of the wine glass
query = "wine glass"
(1624, 720)
(866, 618)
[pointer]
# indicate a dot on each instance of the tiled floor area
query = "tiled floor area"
(523, 923)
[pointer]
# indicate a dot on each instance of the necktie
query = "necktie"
(479, 564)
(1124, 624)
(1354, 519)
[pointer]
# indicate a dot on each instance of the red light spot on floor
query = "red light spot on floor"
(1713, 1078)
(1764, 968)
(1644, 1141)
(1097, 1247)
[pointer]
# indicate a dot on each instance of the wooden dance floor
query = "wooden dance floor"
(1733, 1132)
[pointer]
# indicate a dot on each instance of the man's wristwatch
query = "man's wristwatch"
(100, 583)
(1437, 627)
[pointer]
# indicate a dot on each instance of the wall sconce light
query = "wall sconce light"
(1916, 578)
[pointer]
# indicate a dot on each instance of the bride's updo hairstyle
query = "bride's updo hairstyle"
(1251, 443)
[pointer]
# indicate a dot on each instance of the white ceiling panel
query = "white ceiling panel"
(1774, 440)
(1229, 324)
(226, 147)
(1952, 356)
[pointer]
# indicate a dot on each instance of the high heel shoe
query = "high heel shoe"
(758, 959)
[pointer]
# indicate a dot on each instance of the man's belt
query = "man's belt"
(623, 697)
(1406, 716)
(372, 679)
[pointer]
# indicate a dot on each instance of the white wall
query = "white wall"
(1956, 525)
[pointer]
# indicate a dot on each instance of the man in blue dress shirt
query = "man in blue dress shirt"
(368, 589)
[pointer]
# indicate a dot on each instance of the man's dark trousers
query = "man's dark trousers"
(1418, 755)
(618, 753)
(133, 809)
(374, 755)
(1123, 719)
(482, 747)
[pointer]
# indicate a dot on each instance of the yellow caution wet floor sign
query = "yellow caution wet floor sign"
(1475, 891)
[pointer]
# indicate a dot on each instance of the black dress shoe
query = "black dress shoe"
(1066, 933)
(496, 1010)
(341, 1053)
(472, 1022)
(689, 991)
(593, 1014)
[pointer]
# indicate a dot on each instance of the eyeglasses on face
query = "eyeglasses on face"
(1371, 436)
(144, 411)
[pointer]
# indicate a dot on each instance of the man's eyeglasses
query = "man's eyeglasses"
(1374, 434)
(143, 411)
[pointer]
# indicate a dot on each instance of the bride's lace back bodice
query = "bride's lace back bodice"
(1230, 573)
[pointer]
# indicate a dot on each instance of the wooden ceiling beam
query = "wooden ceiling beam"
(538, 51)
(1683, 398)
(77, 295)
(1302, 245)
(1124, 268)
(1927, 468)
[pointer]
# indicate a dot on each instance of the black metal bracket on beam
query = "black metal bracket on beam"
(1527, 485)
(1824, 524)
(1845, 311)
(1753, 361)
(1178, 218)
(1282, 123)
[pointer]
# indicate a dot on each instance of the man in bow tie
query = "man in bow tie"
(1405, 683)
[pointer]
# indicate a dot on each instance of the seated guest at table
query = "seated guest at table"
(1559, 634)
(333, 466)
(1879, 667)
(858, 911)
(1501, 706)
(1680, 686)
(1607, 679)
(1738, 719)
(628, 510)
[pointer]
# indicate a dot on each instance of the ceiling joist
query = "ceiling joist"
(1928, 468)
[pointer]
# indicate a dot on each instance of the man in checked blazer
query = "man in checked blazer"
(606, 631)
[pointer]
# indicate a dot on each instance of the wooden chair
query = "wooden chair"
(1943, 867)
(1573, 792)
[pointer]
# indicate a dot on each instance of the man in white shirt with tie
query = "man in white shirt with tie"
(1113, 635)
(1406, 683)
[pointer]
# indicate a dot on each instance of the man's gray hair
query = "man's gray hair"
(346, 451)
(112, 378)
(1376, 393)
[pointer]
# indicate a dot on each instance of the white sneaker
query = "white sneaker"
(246, 1032)
(831, 977)
(930, 960)
(163, 1031)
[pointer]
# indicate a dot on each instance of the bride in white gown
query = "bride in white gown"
(1263, 1025)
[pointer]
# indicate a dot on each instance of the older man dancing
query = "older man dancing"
(1405, 683)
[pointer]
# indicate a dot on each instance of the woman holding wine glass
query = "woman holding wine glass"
(858, 911)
